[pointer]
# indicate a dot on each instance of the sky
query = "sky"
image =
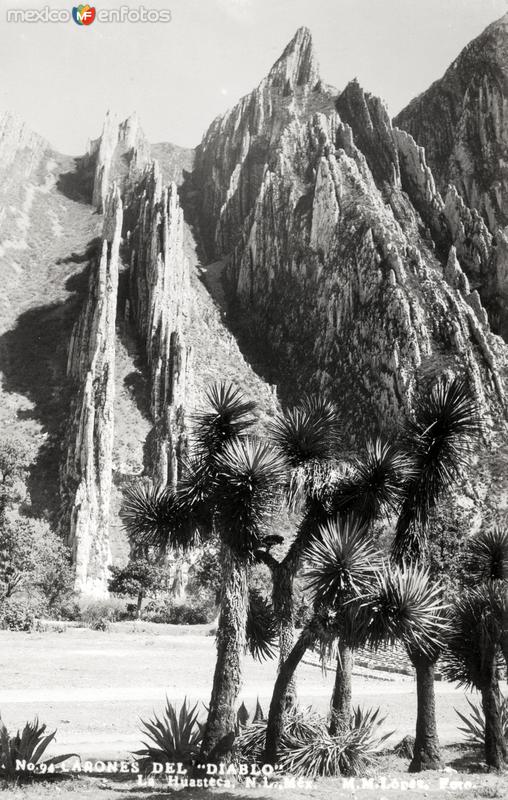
(178, 76)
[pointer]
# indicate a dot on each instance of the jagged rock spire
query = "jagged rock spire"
(86, 472)
(297, 66)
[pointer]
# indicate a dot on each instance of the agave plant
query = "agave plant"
(474, 724)
(175, 737)
(28, 746)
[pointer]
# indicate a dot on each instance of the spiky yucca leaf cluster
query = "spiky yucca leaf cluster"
(406, 605)
(376, 483)
(475, 635)
(156, 517)
(228, 415)
(440, 436)
(262, 628)
(308, 432)
(341, 562)
(488, 555)
(248, 473)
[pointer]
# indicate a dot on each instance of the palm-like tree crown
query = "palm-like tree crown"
(475, 632)
(406, 605)
(341, 562)
(376, 483)
(228, 414)
(439, 437)
(156, 517)
(488, 555)
(248, 478)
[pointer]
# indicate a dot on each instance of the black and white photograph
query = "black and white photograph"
(254, 399)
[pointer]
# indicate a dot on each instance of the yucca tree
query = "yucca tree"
(341, 566)
(397, 603)
(248, 477)
(373, 488)
(231, 486)
(480, 631)
(439, 437)
(472, 659)
(308, 437)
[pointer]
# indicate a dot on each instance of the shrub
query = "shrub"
(99, 614)
(29, 745)
(198, 610)
(474, 724)
(175, 737)
(21, 613)
(308, 750)
(33, 559)
(139, 578)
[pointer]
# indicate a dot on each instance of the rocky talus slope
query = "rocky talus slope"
(87, 466)
(462, 122)
(319, 209)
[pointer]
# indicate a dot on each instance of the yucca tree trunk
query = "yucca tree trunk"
(278, 703)
(283, 605)
(426, 750)
(219, 732)
(342, 692)
(495, 745)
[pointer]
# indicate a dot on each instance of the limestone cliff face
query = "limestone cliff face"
(87, 467)
(159, 306)
(231, 159)
(462, 122)
(120, 154)
(338, 244)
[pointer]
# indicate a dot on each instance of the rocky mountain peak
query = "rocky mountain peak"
(297, 66)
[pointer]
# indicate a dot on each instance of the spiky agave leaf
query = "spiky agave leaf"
(262, 628)
(474, 638)
(488, 554)
(249, 475)
(340, 562)
(229, 414)
(405, 605)
(377, 482)
(28, 745)
(474, 724)
(440, 436)
(155, 517)
(176, 736)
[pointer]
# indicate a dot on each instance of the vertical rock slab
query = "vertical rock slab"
(119, 155)
(159, 298)
(86, 473)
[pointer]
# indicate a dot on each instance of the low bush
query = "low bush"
(99, 614)
(21, 613)
(197, 610)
